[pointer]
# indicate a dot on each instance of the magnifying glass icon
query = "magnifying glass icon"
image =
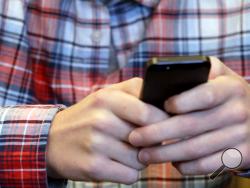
(231, 158)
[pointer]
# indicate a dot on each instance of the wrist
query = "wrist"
(50, 153)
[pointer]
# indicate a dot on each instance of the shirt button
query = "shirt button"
(96, 37)
(153, 2)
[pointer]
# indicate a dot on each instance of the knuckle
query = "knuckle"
(93, 142)
(97, 142)
(98, 119)
(93, 168)
(210, 97)
(99, 98)
(238, 88)
(241, 113)
(101, 121)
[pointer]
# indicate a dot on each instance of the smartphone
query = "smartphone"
(168, 76)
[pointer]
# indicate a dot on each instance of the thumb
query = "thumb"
(219, 69)
(132, 86)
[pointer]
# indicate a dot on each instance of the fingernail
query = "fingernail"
(144, 157)
(166, 105)
(135, 138)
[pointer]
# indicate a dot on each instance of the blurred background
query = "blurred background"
(239, 182)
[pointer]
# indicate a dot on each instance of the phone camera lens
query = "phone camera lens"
(167, 68)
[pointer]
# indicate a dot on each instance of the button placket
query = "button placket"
(153, 2)
(96, 37)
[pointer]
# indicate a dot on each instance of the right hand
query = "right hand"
(89, 140)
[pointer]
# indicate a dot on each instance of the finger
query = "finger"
(205, 96)
(116, 172)
(200, 166)
(100, 168)
(108, 123)
(117, 150)
(211, 163)
(132, 86)
(219, 69)
(182, 126)
(129, 108)
(195, 147)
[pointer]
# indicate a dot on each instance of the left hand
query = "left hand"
(209, 119)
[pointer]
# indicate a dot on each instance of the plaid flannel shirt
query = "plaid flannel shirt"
(59, 51)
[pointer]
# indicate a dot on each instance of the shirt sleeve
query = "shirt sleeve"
(23, 128)
(23, 138)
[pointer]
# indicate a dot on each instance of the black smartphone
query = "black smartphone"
(168, 76)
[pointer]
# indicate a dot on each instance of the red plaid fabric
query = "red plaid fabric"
(24, 134)
(58, 52)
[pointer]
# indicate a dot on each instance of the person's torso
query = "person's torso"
(77, 47)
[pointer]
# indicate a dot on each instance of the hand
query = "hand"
(89, 140)
(209, 119)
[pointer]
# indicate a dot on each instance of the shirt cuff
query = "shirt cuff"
(24, 131)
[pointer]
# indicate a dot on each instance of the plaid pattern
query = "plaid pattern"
(58, 52)
(24, 131)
